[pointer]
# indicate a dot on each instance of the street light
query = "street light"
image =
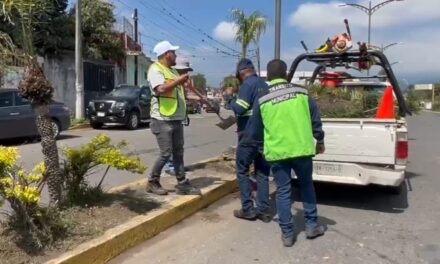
(390, 45)
(370, 10)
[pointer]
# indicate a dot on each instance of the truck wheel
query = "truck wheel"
(96, 125)
(133, 121)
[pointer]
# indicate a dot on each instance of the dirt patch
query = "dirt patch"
(117, 208)
(86, 223)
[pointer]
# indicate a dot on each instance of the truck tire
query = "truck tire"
(133, 121)
(96, 125)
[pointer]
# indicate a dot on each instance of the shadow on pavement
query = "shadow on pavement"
(374, 198)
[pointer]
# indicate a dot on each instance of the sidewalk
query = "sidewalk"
(215, 177)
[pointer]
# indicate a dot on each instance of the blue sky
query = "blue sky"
(415, 23)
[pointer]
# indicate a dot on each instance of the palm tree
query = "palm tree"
(34, 85)
(250, 29)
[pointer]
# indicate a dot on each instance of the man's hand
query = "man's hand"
(320, 148)
(230, 90)
(182, 78)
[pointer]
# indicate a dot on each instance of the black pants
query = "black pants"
(169, 136)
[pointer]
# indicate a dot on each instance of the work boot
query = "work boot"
(265, 217)
(288, 241)
(250, 215)
(156, 188)
(185, 188)
(314, 232)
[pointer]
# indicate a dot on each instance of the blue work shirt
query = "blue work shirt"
(249, 92)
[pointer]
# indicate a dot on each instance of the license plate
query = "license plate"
(101, 114)
(327, 169)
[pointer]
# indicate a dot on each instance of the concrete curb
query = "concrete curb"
(430, 111)
(81, 126)
(133, 232)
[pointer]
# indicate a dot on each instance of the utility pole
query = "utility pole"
(135, 18)
(79, 72)
(277, 28)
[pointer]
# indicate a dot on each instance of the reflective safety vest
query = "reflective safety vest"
(287, 122)
(169, 101)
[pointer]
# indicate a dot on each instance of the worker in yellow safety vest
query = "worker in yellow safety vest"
(168, 110)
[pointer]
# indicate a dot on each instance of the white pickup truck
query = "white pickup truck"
(361, 151)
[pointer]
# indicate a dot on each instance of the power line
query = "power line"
(194, 27)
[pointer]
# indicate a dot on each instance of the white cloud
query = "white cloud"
(225, 31)
(318, 16)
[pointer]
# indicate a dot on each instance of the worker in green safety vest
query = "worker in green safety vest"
(168, 110)
(288, 121)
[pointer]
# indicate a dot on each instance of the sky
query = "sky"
(205, 32)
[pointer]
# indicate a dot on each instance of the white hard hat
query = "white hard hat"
(163, 47)
(183, 63)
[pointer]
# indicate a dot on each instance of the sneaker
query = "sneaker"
(250, 215)
(156, 188)
(185, 188)
(265, 217)
(314, 232)
(288, 241)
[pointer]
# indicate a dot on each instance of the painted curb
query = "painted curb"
(140, 228)
(82, 126)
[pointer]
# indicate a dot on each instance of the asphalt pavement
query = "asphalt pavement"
(365, 224)
(202, 140)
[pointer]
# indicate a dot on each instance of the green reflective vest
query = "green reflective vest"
(287, 122)
(168, 102)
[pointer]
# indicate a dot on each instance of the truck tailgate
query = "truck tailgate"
(370, 141)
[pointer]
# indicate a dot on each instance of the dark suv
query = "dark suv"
(126, 104)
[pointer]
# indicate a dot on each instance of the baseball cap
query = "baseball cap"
(163, 47)
(183, 63)
(243, 64)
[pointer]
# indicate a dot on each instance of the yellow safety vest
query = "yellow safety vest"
(169, 102)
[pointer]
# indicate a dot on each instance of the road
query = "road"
(366, 224)
(202, 140)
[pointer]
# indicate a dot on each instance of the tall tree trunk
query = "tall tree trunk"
(50, 152)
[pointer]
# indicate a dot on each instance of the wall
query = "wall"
(143, 65)
(60, 70)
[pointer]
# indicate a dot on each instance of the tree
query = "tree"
(199, 81)
(34, 86)
(230, 81)
(250, 29)
(100, 42)
(53, 31)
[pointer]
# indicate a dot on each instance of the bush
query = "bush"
(37, 225)
(413, 101)
(82, 162)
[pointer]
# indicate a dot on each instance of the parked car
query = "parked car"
(193, 107)
(126, 104)
(17, 118)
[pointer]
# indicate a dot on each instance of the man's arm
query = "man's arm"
(318, 133)
(157, 81)
(242, 103)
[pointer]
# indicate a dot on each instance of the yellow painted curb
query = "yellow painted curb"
(118, 239)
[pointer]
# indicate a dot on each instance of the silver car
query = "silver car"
(17, 118)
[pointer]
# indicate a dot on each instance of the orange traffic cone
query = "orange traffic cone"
(386, 108)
